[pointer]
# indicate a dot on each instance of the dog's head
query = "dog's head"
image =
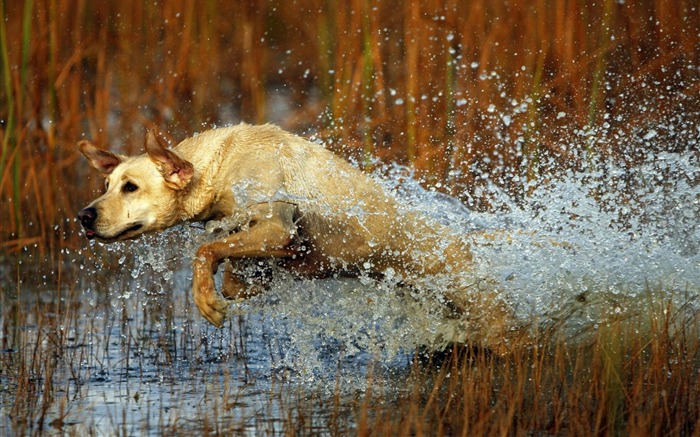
(142, 192)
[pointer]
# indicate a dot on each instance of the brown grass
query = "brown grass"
(636, 376)
(628, 381)
(412, 83)
(422, 83)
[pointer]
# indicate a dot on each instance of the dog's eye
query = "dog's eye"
(129, 187)
(106, 184)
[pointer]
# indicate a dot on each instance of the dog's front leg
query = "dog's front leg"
(269, 235)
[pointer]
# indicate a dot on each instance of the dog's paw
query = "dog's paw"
(212, 305)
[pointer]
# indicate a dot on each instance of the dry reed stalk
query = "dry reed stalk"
(412, 40)
(596, 85)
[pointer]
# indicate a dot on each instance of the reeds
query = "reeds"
(627, 381)
(453, 89)
(62, 352)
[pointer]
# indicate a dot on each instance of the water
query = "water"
(128, 355)
(599, 241)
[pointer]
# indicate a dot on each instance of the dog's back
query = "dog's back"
(344, 214)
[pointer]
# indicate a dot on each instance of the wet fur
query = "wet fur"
(298, 203)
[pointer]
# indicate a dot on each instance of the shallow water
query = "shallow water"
(136, 360)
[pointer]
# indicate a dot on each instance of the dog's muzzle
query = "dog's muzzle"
(87, 218)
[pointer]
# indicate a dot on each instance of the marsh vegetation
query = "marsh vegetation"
(575, 120)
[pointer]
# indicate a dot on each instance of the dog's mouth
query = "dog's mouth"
(123, 235)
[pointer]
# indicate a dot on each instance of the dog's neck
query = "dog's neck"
(201, 202)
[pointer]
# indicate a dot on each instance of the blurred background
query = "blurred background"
(466, 93)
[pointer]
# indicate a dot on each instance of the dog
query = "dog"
(290, 200)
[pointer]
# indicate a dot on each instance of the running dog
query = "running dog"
(289, 199)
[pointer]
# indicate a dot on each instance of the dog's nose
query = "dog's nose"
(87, 217)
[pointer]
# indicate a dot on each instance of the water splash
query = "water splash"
(613, 235)
(589, 243)
(574, 252)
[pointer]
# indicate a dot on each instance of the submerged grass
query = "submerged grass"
(71, 365)
(627, 381)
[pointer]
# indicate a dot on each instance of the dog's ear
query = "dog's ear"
(176, 171)
(101, 160)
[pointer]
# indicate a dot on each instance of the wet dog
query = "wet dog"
(291, 200)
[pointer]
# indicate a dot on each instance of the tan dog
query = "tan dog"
(296, 202)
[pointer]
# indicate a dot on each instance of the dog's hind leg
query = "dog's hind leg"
(234, 288)
(269, 236)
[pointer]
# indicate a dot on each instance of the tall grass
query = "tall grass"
(627, 381)
(8, 135)
(454, 89)
(425, 83)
